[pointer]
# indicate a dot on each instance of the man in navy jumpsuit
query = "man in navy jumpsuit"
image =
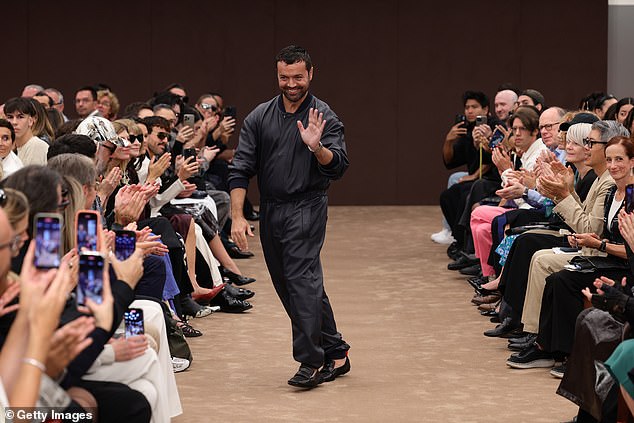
(295, 145)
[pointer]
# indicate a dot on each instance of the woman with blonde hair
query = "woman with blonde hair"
(107, 104)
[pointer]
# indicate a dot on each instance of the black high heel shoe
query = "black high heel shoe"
(235, 278)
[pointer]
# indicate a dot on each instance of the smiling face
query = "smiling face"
(122, 153)
(575, 152)
(619, 164)
(6, 143)
(293, 80)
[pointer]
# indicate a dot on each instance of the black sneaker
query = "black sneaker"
(306, 377)
(558, 371)
(531, 358)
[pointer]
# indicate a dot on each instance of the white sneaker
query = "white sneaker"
(180, 364)
(443, 237)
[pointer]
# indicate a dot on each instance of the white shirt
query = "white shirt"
(10, 164)
(33, 152)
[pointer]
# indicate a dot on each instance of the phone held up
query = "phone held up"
(91, 277)
(188, 120)
(48, 240)
(87, 230)
(134, 325)
(481, 120)
(460, 119)
(124, 244)
(230, 111)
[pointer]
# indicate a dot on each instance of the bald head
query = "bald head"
(504, 103)
(549, 125)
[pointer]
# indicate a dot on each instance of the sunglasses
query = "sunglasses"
(134, 138)
(209, 107)
(162, 135)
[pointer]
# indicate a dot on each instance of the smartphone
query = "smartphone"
(188, 120)
(230, 111)
(133, 318)
(87, 230)
(496, 138)
(124, 244)
(189, 152)
(629, 198)
(91, 274)
(48, 240)
(481, 120)
(460, 119)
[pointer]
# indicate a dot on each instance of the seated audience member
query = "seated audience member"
(22, 115)
(86, 102)
(530, 97)
(107, 104)
(30, 90)
(58, 101)
(44, 99)
(138, 110)
(459, 150)
(562, 299)
(623, 107)
(531, 258)
(42, 127)
(525, 126)
(10, 161)
(602, 104)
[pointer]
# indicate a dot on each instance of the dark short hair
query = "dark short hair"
(20, 104)
(294, 54)
(529, 116)
(93, 91)
(478, 96)
(51, 103)
(132, 110)
(72, 143)
(151, 121)
(67, 127)
(6, 124)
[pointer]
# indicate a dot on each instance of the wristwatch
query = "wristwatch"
(525, 195)
(603, 245)
(319, 147)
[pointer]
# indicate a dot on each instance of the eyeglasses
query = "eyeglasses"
(211, 107)
(589, 142)
(548, 126)
(518, 129)
(134, 138)
(162, 135)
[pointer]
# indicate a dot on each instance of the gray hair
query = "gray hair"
(77, 166)
(610, 129)
(56, 91)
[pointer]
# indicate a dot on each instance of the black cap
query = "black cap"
(579, 118)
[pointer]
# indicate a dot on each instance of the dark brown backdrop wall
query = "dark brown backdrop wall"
(393, 70)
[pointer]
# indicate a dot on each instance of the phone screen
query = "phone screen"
(90, 278)
(133, 322)
(124, 244)
(629, 198)
(87, 232)
(48, 239)
(496, 138)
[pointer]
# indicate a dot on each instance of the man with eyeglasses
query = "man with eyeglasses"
(86, 102)
(549, 122)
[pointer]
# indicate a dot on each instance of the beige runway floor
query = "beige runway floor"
(418, 353)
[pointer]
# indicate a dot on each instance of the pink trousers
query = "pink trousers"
(481, 219)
